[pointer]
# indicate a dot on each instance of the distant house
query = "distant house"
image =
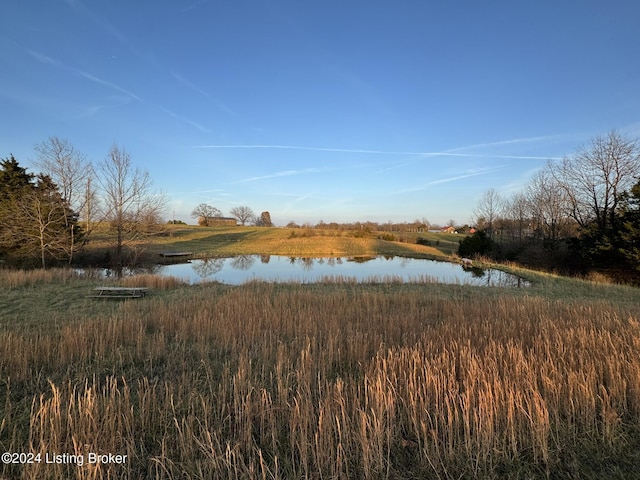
(448, 229)
(218, 221)
(472, 230)
(223, 221)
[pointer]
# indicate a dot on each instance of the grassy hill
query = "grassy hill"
(204, 241)
(227, 241)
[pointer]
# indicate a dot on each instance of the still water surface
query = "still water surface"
(240, 269)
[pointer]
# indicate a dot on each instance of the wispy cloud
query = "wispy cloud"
(297, 197)
(454, 178)
(447, 153)
(99, 20)
(185, 120)
(111, 30)
(395, 166)
(192, 6)
(106, 83)
(49, 61)
(184, 81)
(187, 83)
(293, 147)
(513, 141)
(283, 173)
(42, 58)
(459, 177)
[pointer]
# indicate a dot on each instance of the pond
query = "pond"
(243, 268)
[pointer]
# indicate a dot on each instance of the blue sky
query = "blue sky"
(333, 110)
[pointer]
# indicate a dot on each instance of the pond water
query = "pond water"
(240, 269)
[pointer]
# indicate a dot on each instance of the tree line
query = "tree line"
(49, 217)
(578, 213)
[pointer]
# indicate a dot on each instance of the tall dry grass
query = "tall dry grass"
(273, 381)
(160, 282)
(12, 279)
(20, 278)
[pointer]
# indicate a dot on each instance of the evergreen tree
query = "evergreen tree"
(629, 233)
(35, 221)
(477, 244)
(13, 179)
(14, 183)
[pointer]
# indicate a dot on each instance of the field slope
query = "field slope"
(225, 241)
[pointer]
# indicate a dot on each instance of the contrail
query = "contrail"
(376, 152)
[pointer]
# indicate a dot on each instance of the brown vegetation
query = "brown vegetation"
(330, 381)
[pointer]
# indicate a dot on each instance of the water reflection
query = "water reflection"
(361, 259)
(494, 278)
(203, 268)
(239, 269)
(242, 268)
(477, 272)
(243, 262)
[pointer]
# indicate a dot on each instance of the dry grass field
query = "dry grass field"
(221, 241)
(332, 380)
(337, 380)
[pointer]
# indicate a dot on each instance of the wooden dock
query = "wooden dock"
(175, 254)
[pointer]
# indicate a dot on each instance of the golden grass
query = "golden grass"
(213, 241)
(330, 381)
(159, 282)
(20, 278)
(12, 279)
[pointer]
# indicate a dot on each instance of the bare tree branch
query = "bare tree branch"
(71, 172)
(204, 213)
(596, 175)
(488, 208)
(243, 214)
(128, 202)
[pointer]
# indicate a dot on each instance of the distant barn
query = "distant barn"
(217, 221)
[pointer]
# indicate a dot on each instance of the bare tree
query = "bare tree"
(596, 175)
(71, 172)
(243, 214)
(488, 209)
(127, 198)
(548, 203)
(66, 166)
(517, 209)
(41, 222)
(91, 204)
(204, 213)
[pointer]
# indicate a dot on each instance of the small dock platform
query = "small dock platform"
(175, 254)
